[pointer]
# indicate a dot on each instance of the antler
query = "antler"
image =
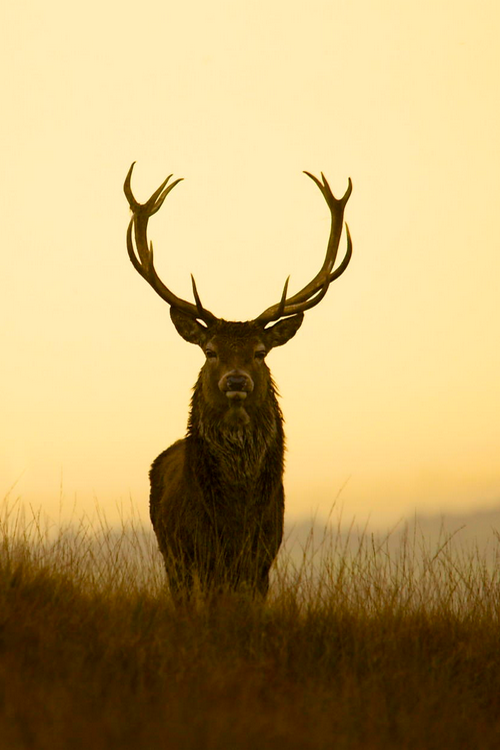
(308, 297)
(314, 292)
(143, 260)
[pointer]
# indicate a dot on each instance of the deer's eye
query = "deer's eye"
(210, 354)
(260, 354)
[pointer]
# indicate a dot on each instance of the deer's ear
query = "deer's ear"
(189, 328)
(283, 330)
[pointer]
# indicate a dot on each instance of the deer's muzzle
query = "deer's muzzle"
(236, 385)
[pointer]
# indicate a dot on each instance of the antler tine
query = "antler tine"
(202, 313)
(135, 205)
(282, 303)
(316, 289)
(141, 213)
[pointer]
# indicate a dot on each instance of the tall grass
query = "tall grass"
(361, 644)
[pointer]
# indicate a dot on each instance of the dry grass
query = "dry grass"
(357, 646)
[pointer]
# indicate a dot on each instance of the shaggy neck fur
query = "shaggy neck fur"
(238, 452)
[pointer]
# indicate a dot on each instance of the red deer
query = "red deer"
(217, 500)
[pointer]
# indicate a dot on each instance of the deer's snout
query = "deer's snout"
(236, 384)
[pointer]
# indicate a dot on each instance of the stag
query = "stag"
(217, 500)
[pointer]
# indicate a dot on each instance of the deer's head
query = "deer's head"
(235, 377)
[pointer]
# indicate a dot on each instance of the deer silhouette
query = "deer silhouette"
(217, 500)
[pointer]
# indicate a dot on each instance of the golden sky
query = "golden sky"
(391, 388)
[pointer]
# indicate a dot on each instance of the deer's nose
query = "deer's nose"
(236, 383)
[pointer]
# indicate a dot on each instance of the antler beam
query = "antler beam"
(314, 292)
(143, 259)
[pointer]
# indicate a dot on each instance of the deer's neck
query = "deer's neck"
(238, 457)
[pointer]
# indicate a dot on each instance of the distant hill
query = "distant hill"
(479, 530)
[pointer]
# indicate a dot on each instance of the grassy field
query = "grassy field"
(357, 646)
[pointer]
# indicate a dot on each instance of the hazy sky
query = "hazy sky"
(391, 388)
